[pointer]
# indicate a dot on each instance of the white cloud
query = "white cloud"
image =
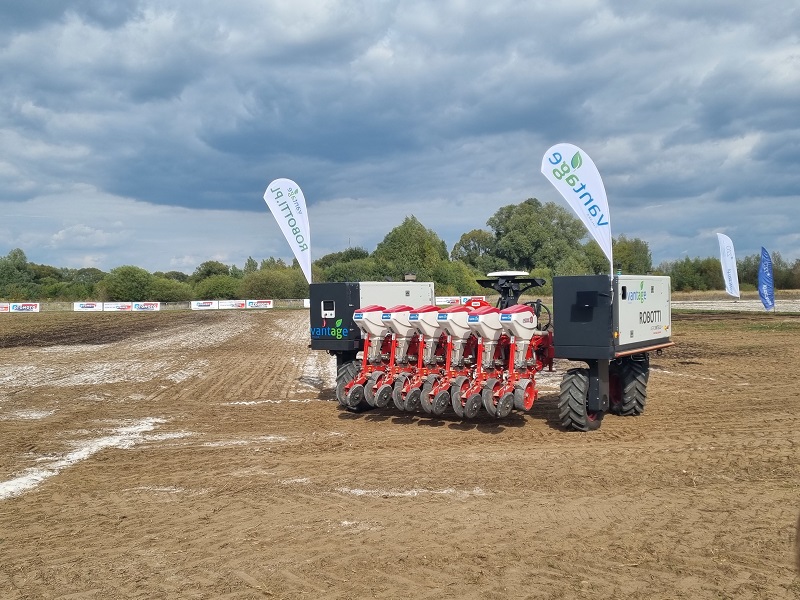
(145, 133)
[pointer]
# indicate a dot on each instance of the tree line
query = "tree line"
(544, 240)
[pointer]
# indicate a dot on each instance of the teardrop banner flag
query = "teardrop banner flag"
(766, 285)
(288, 205)
(727, 257)
(576, 178)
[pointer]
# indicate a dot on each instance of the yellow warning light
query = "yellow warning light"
(616, 335)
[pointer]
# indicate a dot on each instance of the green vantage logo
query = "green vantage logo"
(639, 295)
(566, 172)
(336, 332)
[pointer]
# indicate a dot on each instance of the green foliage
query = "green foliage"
(166, 289)
(455, 278)
(217, 287)
(174, 275)
(547, 288)
(209, 269)
(411, 248)
(91, 276)
(631, 255)
(361, 269)
(477, 248)
(125, 283)
(335, 258)
(531, 235)
(250, 265)
(274, 283)
(272, 263)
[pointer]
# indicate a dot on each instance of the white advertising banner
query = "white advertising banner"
(230, 304)
(288, 205)
(87, 306)
(577, 179)
(259, 304)
(146, 306)
(5, 307)
(118, 306)
(24, 307)
(205, 304)
(728, 259)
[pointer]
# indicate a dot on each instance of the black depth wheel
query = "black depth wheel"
(397, 393)
(574, 395)
(440, 403)
(456, 390)
(370, 386)
(425, 400)
(504, 405)
(412, 399)
(487, 396)
(472, 406)
(383, 396)
(355, 398)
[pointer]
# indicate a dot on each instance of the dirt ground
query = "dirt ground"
(202, 455)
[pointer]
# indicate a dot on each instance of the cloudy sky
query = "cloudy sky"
(145, 132)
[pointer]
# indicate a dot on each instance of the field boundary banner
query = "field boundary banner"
(230, 304)
(205, 304)
(260, 304)
(146, 306)
(87, 306)
(24, 307)
(118, 306)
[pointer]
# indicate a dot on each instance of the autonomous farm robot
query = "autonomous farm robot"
(395, 346)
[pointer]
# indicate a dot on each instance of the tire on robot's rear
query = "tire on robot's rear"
(633, 376)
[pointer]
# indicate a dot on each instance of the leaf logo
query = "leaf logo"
(576, 161)
(338, 322)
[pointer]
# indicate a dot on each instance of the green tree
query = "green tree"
(363, 269)
(456, 278)
(126, 283)
(16, 280)
(411, 248)
(217, 287)
(344, 256)
(632, 255)
(250, 265)
(477, 248)
(272, 263)
(89, 276)
(166, 289)
(531, 235)
(209, 269)
(274, 284)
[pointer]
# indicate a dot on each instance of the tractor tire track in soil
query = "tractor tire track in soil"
(201, 455)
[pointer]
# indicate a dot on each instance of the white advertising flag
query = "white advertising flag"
(576, 178)
(288, 205)
(728, 259)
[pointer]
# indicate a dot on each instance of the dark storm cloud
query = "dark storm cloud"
(442, 110)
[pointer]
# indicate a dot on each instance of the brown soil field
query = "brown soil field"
(202, 455)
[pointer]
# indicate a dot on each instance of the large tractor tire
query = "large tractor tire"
(572, 410)
(633, 376)
(346, 373)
